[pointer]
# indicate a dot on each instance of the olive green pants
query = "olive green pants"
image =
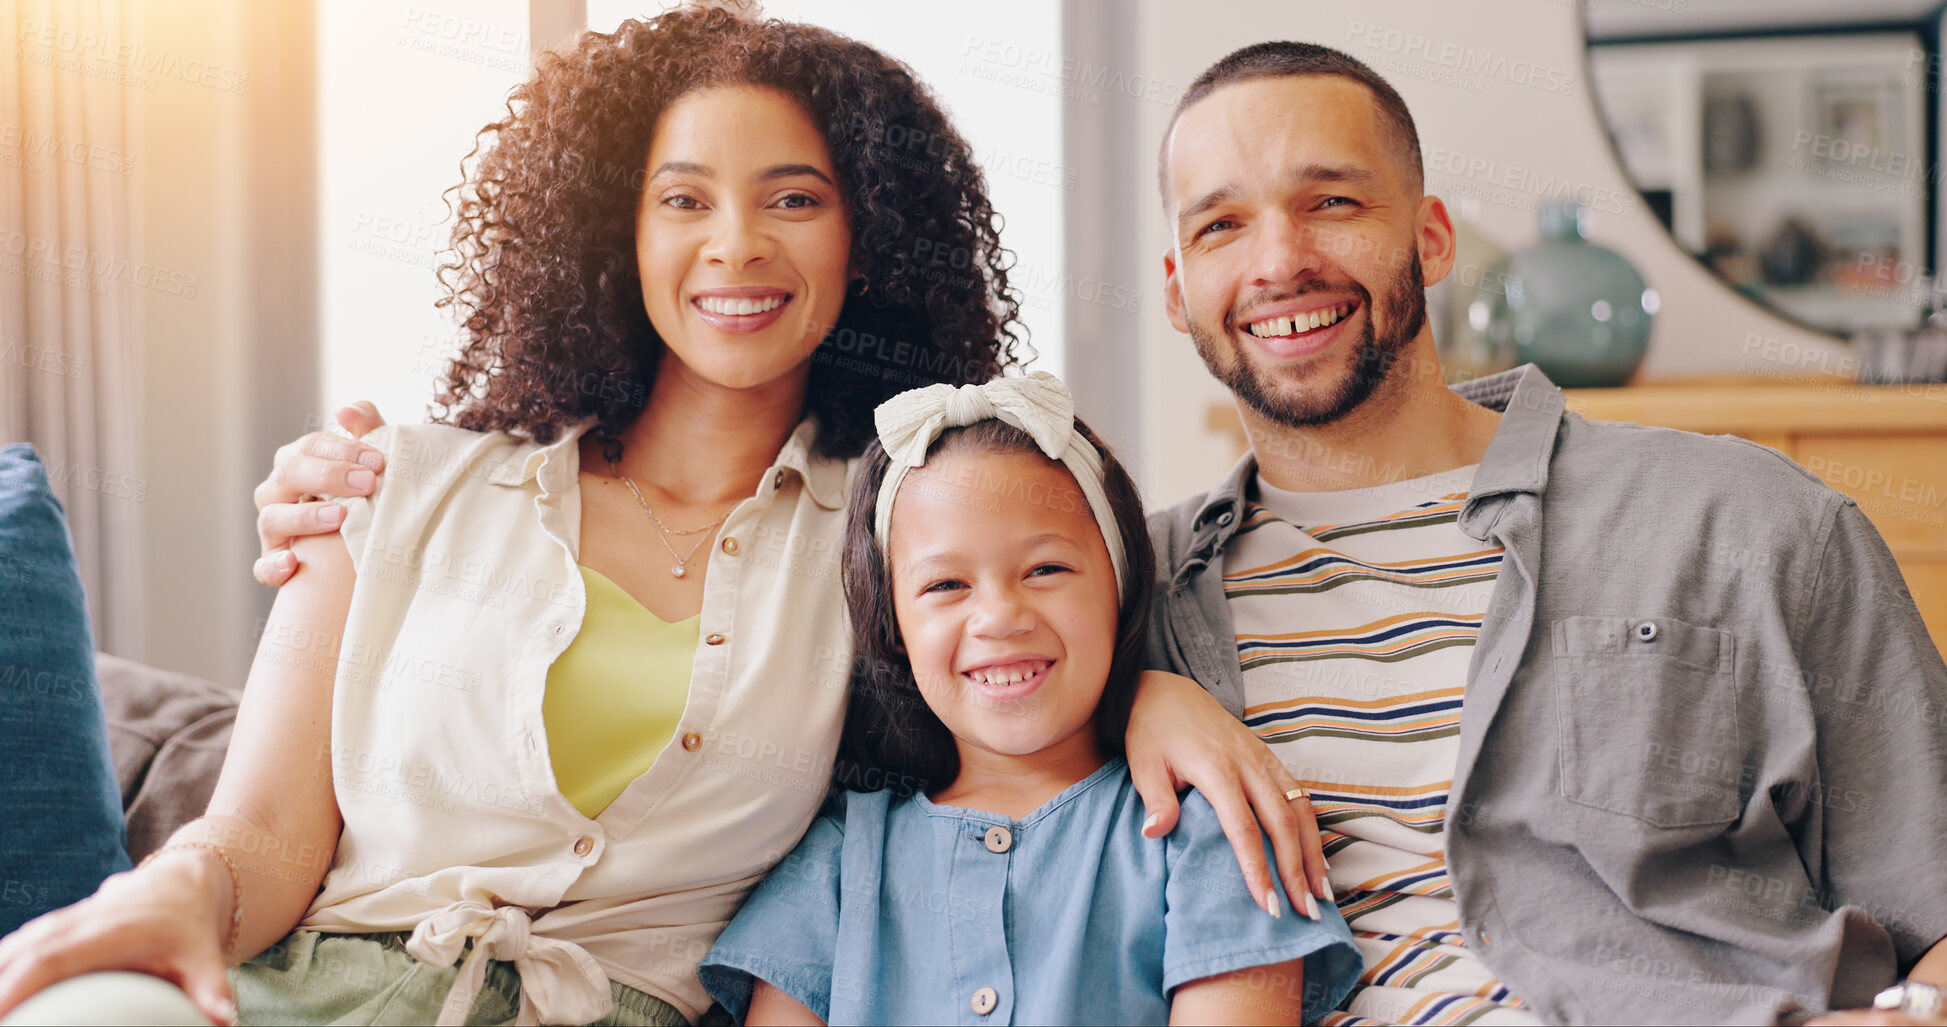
(371, 979)
(311, 978)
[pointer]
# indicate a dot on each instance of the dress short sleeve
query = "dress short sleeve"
(357, 526)
(1212, 925)
(786, 934)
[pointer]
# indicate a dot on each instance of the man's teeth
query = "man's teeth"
(727, 305)
(1011, 676)
(1297, 324)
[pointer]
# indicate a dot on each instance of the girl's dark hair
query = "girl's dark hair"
(543, 265)
(892, 738)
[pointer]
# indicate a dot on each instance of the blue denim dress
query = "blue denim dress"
(902, 911)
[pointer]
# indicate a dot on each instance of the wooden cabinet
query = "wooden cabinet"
(1883, 445)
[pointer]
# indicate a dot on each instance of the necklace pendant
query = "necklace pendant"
(677, 570)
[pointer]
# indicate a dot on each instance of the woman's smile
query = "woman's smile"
(741, 309)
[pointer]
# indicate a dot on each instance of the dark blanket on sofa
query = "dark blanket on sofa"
(167, 733)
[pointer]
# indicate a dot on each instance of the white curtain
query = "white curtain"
(69, 284)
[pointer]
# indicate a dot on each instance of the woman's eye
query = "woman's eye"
(797, 201)
(683, 202)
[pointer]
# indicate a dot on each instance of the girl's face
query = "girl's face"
(742, 238)
(1005, 597)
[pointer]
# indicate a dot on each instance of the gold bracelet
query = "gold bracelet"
(236, 886)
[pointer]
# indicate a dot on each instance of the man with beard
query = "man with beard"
(1602, 723)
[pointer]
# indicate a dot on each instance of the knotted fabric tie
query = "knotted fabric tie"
(1038, 404)
(560, 981)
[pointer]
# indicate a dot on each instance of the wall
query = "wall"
(402, 90)
(225, 203)
(1519, 128)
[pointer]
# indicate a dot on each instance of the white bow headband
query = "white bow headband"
(1038, 404)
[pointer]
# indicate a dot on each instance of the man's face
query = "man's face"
(1296, 264)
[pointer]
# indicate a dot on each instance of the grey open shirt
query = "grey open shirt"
(1702, 770)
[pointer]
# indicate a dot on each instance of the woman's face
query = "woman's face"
(742, 239)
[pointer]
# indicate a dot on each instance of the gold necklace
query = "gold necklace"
(682, 559)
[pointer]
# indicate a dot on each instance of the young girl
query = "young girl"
(997, 573)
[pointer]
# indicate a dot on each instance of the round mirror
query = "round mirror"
(1784, 144)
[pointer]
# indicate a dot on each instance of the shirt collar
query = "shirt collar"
(556, 461)
(1516, 459)
(823, 476)
(1531, 407)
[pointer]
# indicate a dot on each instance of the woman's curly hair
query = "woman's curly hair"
(543, 266)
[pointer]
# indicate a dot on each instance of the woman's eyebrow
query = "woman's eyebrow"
(775, 171)
(792, 171)
(683, 167)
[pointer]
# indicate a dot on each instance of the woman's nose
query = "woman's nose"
(737, 241)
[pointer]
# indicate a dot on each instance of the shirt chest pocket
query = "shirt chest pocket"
(1647, 712)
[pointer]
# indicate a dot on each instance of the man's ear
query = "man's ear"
(1436, 239)
(1173, 293)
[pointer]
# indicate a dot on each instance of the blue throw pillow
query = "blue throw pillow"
(58, 796)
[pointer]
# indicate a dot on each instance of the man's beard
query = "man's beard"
(1372, 358)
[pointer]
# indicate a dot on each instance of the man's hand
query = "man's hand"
(1181, 737)
(320, 462)
(1871, 1016)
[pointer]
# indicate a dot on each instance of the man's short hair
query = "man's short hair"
(1279, 59)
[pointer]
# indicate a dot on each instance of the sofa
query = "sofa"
(167, 733)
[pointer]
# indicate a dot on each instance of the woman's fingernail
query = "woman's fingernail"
(1154, 819)
(226, 1011)
(1311, 906)
(285, 560)
(360, 479)
(332, 513)
(1330, 895)
(372, 459)
(1269, 900)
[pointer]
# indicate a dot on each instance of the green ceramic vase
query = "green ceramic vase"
(1579, 311)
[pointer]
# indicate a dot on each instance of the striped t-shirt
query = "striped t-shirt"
(1356, 614)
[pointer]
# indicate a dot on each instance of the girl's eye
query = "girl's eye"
(943, 586)
(1048, 568)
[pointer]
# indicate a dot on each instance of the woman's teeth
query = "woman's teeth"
(1012, 674)
(1297, 324)
(727, 305)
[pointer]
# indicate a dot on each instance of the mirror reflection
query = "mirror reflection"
(1784, 146)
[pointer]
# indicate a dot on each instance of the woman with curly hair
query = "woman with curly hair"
(519, 744)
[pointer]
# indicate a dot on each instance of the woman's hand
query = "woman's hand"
(317, 463)
(168, 919)
(1181, 737)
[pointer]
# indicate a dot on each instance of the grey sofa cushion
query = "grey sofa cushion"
(167, 734)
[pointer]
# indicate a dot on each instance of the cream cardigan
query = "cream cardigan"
(467, 591)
